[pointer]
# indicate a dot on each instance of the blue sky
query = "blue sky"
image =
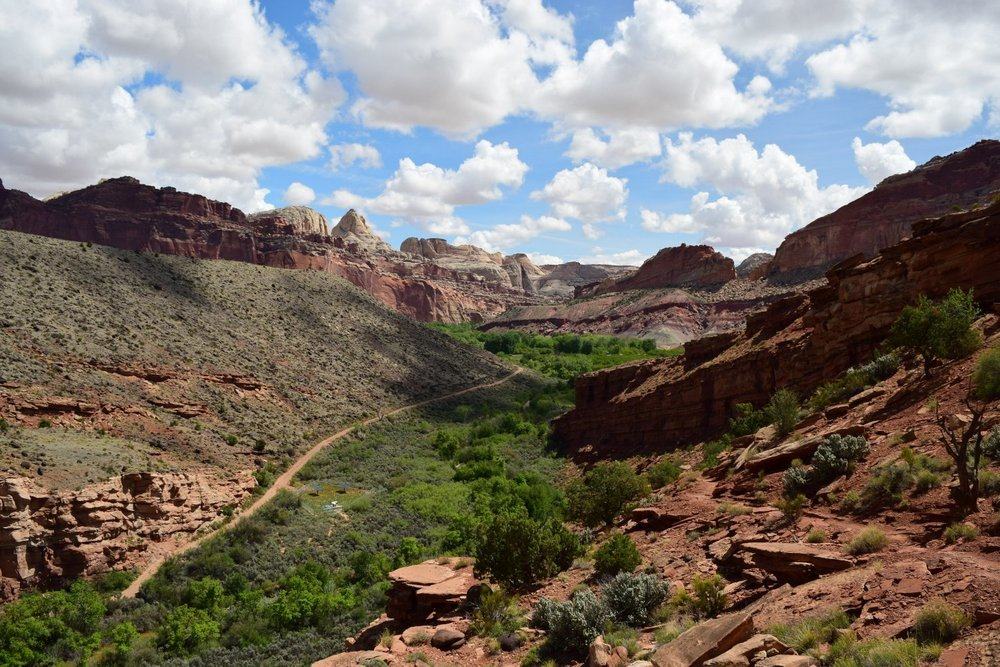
(702, 86)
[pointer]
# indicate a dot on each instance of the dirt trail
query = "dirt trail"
(285, 479)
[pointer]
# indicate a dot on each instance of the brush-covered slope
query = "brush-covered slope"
(114, 363)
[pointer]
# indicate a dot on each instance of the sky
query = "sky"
(598, 131)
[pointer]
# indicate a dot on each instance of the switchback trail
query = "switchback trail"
(285, 479)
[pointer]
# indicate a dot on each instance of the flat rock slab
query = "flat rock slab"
(704, 641)
(355, 658)
(422, 574)
(739, 655)
(787, 661)
(791, 558)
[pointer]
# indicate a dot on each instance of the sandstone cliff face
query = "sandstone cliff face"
(749, 266)
(886, 215)
(49, 538)
(124, 213)
(682, 266)
(797, 342)
(292, 221)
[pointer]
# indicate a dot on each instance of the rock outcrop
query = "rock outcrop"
(124, 213)
(427, 591)
(749, 266)
(291, 221)
(886, 215)
(797, 342)
(48, 538)
(681, 266)
(561, 280)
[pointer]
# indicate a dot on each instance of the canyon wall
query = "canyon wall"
(797, 342)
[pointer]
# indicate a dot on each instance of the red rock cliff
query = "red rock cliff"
(682, 266)
(885, 215)
(798, 342)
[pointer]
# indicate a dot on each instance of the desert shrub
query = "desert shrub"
(886, 486)
(989, 483)
(940, 623)
(854, 380)
(986, 377)
(617, 554)
(791, 508)
(851, 502)
(709, 598)
(122, 637)
(710, 451)
(572, 625)
(747, 420)
(991, 444)
(938, 329)
(632, 598)
(925, 480)
(816, 536)
(868, 541)
(847, 651)
(515, 550)
(496, 614)
(625, 637)
(812, 631)
(783, 409)
(663, 472)
(606, 491)
(960, 531)
(186, 631)
(795, 479)
(836, 456)
(882, 367)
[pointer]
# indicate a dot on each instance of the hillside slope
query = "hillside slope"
(118, 364)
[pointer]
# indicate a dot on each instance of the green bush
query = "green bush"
(604, 493)
(925, 480)
(497, 614)
(632, 598)
(747, 420)
(886, 486)
(940, 623)
(709, 598)
(571, 626)
(938, 329)
(795, 479)
(515, 550)
(868, 541)
(986, 377)
(816, 536)
(663, 472)
(791, 507)
(42, 628)
(185, 631)
(960, 531)
(617, 554)
(854, 380)
(783, 408)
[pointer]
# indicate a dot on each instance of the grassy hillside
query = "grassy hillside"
(181, 363)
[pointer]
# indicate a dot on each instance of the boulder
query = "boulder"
(447, 639)
(795, 562)
(602, 654)
(787, 661)
(741, 654)
(352, 658)
(704, 641)
(428, 590)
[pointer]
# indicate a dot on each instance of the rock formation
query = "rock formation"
(886, 215)
(797, 342)
(681, 266)
(561, 280)
(48, 538)
(354, 229)
(291, 221)
(749, 265)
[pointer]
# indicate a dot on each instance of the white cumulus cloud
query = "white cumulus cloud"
(586, 193)
(762, 196)
(878, 161)
(624, 258)
(621, 148)
(344, 156)
(428, 195)
(299, 194)
(507, 236)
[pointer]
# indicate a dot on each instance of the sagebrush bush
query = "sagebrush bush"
(607, 490)
(868, 541)
(515, 550)
(939, 622)
(496, 614)
(747, 420)
(960, 531)
(572, 625)
(632, 598)
(886, 486)
(836, 456)
(617, 554)
(855, 380)
(795, 479)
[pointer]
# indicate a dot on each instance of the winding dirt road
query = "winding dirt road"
(285, 479)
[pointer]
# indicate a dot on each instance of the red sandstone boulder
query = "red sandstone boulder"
(704, 641)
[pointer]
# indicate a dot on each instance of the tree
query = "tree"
(605, 492)
(938, 329)
(186, 630)
(963, 434)
(516, 550)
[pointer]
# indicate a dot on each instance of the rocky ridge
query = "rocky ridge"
(796, 343)
(886, 215)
